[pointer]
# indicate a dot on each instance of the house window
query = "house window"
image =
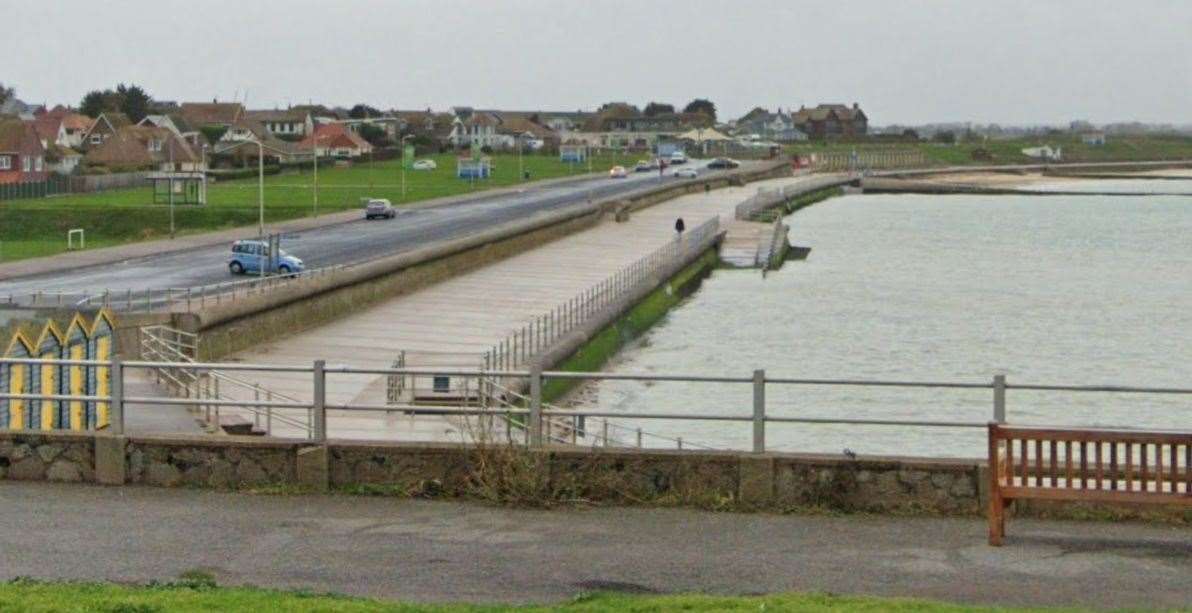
(39, 164)
(442, 385)
(5, 162)
(96, 139)
(26, 163)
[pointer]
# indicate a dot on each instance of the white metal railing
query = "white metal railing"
(544, 331)
(168, 299)
(537, 412)
(164, 345)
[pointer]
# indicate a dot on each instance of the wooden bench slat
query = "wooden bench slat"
(1129, 467)
(1059, 434)
(1113, 465)
(1096, 496)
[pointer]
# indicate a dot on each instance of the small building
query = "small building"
(1095, 138)
(335, 140)
(289, 123)
(22, 156)
(831, 121)
(1045, 152)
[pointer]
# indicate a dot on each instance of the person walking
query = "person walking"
(679, 227)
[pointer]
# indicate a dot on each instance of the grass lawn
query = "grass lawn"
(27, 596)
(1009, 151)
(35, 227)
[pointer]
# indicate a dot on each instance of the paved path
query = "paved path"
(454, 322)
(439, 551)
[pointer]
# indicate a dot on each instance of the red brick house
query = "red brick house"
(832, 121)
(22, 156)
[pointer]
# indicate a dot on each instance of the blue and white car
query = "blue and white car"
(249, 256)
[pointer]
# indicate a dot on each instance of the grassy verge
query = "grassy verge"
(604, 345)
(199, 594)
(1009, 151)
(37, 226)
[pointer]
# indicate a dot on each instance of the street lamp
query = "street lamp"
(261, 192)
(404, 161)
(171, 183)
(315, 148)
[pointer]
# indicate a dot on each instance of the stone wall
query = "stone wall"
(26, 456)
(216, 462)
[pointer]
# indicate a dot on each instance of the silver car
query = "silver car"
(379, 208)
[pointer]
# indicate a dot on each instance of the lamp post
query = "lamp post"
(404, 161)
(315, 148)
(171, 183)
(261, 192)
(520, 174)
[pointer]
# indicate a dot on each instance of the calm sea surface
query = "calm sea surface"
(1058, 290)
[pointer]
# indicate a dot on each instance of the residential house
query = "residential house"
(177, 124)
(245, 139)
(22, 156)
(500, 130)
(761, 124)
(335, 140)
(103, 128)
(623, 126)
(144, 147)
(292, 124)
(1095, 138)
(832, 121)
(429, 125)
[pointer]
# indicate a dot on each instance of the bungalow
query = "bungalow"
(144, 148)
(245, 139)
(1095, 138)
(335, 140)
(103, 128)
(832, 121)
(291, 123)
(22, 156)
(211, 114)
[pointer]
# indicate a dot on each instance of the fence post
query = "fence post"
(999, 399)
(319, 427)
(116, 402)
(536, 405)
(759, 411)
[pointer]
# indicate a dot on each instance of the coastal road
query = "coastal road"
(343, 243)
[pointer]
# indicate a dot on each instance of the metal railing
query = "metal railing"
(167, 299)
(544, 331)
(766, 198)
(536, 414)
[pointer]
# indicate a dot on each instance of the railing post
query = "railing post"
(319, 427)
(999, 399)
(116, 403)
(759, 411)
(536, 405)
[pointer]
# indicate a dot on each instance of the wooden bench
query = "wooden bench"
(1115, 466)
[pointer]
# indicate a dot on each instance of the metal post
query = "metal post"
(116, 389)
(319, 427)
(639, 438)
(999, 399)
(759, 411)
(604, 433)
(536, 405)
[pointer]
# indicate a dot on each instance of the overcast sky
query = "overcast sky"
(904, 62)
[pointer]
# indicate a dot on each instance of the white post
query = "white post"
(759, 411)
(319, 427)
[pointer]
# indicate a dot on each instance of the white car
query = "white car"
(618, 172)
(685, 173)
(425, 165)
(678, 157)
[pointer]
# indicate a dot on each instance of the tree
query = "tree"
(947, 137)
(375, 136)
(133, 101)
(910, 134)
(97, 102)
(213, 133)
(363, 111)
(6, 93)
(659, 108)
(701, 105)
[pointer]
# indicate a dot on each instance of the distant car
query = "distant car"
(723, 163)
(379, 208)
(645, 166)
(425, 165)
(250, 256)
(685, 173)
(678, 157)
(618, 172)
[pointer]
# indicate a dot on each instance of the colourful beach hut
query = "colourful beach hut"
(47, 379)
(14, 379)
(101, 346)
(73, 415)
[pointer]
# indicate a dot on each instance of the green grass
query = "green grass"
(196, 594)
(1009, 151)
(37, 227)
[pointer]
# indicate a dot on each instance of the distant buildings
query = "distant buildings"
(832, 121)
(22, 156)
(761, 124)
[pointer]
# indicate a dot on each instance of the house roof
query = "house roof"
(77, 121)
(823, 111)
(200, 114)
(129, 146)
(518, 125)
(331, 135)
(47, 127)
(278, 115)
(16, 134)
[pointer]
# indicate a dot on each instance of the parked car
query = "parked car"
(685, 173)
(250, 256)
(723, 163)
(678, 157)
(379, 208)
(618, 172)
(425, 165)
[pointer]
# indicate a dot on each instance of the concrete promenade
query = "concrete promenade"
(453, 323)
(443, 551)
